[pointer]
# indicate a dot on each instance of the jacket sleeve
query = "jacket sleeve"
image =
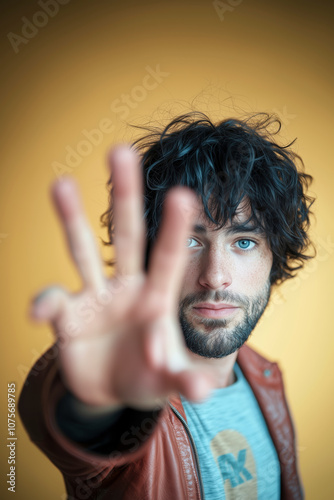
(125, 443)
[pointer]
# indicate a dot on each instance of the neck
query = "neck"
(221, 369)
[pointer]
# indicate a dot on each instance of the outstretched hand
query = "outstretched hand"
(120, 342)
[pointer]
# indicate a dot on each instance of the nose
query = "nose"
(216, 270)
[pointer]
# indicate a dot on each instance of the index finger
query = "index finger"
(166, 268)
(79, 235)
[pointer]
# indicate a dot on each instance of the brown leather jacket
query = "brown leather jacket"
(155, 458)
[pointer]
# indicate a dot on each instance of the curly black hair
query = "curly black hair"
(226, 163)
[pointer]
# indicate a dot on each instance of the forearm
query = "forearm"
(103, 430)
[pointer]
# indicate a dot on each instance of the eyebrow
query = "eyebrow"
(199, 229)
(234, 229)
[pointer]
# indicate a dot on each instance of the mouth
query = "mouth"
(208, 310)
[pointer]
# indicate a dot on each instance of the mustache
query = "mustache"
(228, 297)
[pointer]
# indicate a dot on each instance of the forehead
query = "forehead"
(241, 216)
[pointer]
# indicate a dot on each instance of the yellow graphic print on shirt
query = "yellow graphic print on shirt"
(236, 464)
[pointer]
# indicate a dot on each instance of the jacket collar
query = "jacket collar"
(257, 370)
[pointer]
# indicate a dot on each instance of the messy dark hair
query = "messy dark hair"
(227, 163)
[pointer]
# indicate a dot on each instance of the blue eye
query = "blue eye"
(246, 244)
(191, 243)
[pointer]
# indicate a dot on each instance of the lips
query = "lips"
(209, 305)
(210, 310)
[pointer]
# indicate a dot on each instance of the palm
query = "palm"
(119, 339)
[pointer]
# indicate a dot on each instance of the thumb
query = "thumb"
(194, 385)
(48, 304)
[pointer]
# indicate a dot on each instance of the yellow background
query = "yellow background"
(262, 56)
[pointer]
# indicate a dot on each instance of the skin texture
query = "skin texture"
(223, 267)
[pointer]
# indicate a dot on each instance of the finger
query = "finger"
(49, 304)
(79, 235)
(193, 380)
(165, 352)
(166, 268)
(194, 385)
(129, 234)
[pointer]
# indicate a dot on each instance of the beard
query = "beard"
(218, 338)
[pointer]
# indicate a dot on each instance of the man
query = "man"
(149, 391)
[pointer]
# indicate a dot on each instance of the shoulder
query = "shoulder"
(36, 390)
(247, 352)
(257, 365)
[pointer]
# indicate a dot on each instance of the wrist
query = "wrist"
(88, 411)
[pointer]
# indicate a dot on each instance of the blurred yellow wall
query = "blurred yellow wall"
(69, 75)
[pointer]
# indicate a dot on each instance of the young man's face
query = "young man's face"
(226, 285)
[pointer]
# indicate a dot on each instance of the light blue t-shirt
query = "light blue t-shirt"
(237, 458)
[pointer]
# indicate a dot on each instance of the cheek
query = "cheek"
(254, 272)
(190, 277)
(249, 274)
